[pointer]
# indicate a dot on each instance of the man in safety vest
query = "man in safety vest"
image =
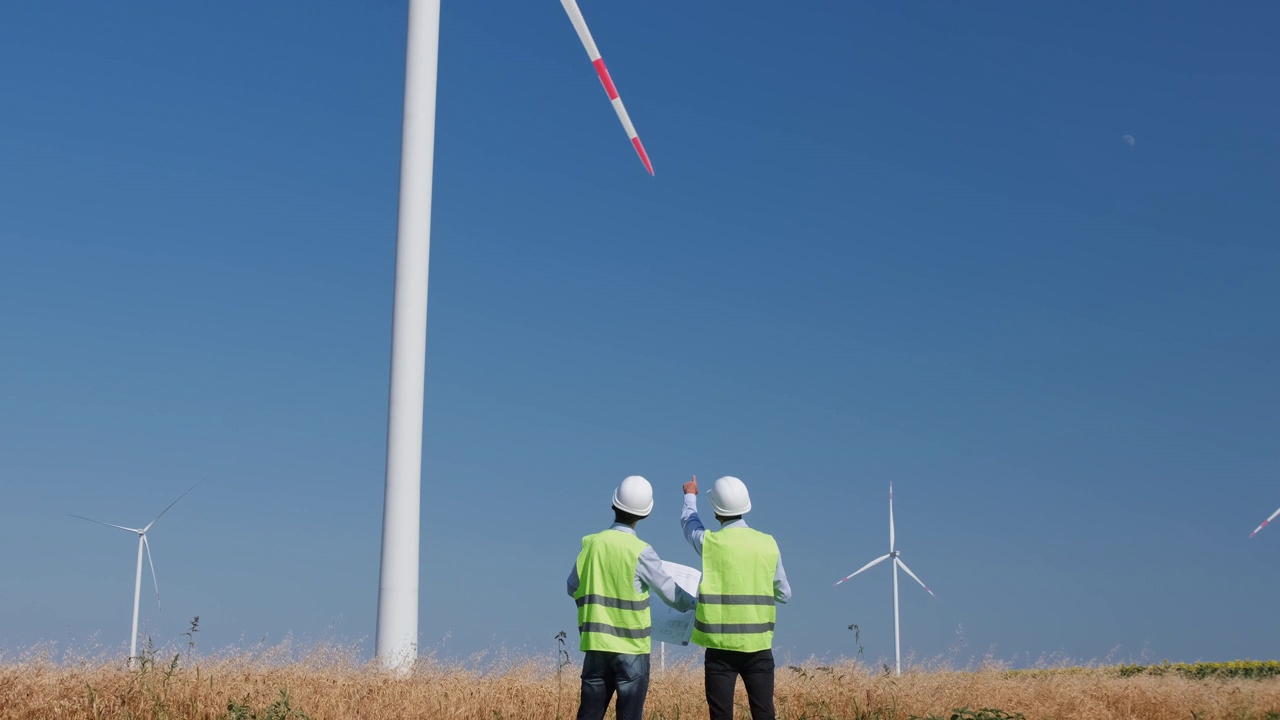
(742, 580)
(610, 583)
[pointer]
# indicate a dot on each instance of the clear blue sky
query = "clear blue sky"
(886, 241)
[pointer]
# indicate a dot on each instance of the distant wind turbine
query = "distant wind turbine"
(895, 555)
(137, 583)
(1265, 523)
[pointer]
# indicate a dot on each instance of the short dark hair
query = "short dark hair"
(626, 518)
(728, 518)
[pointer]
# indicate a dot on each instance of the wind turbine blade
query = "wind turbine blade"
(1265, 523)
(913, 576)
(890, 517)
(132, 530)
(589, 44)
(175, 502)
(154, 581)
(873, 563)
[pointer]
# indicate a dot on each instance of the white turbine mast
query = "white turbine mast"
(397, 628)
(143, 545)
(1265, 523)
(896, 556)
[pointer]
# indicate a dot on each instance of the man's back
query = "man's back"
(612, 615)
(736, 603)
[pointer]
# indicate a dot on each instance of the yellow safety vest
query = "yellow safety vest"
(736, 605)
(612, 616)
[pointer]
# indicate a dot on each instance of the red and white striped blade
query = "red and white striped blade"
(873, 563)
(589, 43)
(1265, 523)
(913, 576)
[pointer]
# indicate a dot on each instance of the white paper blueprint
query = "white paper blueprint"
(670, 626)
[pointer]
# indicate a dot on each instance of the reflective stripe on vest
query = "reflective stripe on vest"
(736, 606)
(612, 616)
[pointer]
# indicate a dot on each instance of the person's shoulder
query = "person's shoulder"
(766, 535)
(631, 538)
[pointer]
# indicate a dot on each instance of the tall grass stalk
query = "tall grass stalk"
(289, 683)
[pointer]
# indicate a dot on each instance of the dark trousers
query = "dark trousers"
(723, 668)
(603, 674)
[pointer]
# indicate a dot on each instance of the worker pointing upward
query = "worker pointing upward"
(611, 582)
(742, 580)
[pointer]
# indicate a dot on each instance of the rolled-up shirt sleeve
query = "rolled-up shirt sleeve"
(691, 524)
(650, 576)
(572, 583)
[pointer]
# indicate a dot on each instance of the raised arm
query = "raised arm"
(689, 521)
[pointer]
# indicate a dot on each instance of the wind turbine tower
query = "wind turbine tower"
(896, 556)
(143, 545)
(397, 628)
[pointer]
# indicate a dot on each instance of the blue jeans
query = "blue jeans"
(603, 674)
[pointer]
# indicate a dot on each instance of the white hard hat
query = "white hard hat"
(635, 496)
(729, 497)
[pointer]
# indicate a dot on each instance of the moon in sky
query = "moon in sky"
(1130, 140)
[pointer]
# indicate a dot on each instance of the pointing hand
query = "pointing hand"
(691, 487)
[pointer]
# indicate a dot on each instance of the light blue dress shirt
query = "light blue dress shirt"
(694, 531)
(649, 577)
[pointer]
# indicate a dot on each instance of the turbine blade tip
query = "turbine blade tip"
(644, 156)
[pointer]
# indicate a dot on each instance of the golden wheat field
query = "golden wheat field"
(250, 686)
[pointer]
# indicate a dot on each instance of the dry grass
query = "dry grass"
(333, 684)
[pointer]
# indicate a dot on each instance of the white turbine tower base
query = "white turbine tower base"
(143, 545)
(397, 628)
(896, 557)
